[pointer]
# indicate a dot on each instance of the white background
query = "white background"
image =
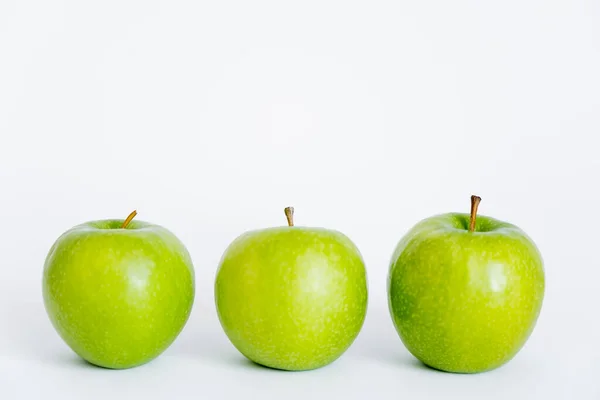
(367, 116)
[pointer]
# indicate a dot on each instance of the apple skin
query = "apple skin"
(463, 301)
(118, 297)
(291, 298)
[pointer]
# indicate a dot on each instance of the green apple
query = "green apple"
(291, 298)
(464, 291)
(118, 292)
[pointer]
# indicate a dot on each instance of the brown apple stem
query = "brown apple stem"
(475, 200)
(289, 214)
(130, 217)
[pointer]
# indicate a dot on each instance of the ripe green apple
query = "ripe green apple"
(118, 292)
(291, 298)
(464, 291)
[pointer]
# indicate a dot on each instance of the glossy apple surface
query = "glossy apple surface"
(465, 301)
(291, 298)
(118, 297)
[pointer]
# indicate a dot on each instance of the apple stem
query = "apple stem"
(129, 218)
(475, 200)
(289, 214)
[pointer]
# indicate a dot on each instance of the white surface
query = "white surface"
(210, 117)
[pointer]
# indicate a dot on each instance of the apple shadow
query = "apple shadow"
(409, 361)
(211, 347)
(415, 363)
(247, 363)
(73, 360)
(378, 341)
(32, 337)
(204, 341)
(395, 356)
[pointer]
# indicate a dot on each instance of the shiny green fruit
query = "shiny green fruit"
(461, 300)
(291, 298)
(118, 296)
